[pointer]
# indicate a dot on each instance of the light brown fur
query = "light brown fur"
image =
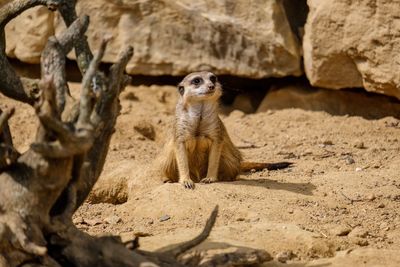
(199, 149)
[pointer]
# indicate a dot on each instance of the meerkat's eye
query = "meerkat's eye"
(181, 89)
(197, 81)
(213, 78)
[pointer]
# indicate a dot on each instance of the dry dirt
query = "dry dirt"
(337, 206)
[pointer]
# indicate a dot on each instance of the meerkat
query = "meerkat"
(200, 149)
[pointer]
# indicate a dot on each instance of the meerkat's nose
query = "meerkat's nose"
(211, 87)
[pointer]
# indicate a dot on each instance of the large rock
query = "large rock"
(243, 38)
(27, 35)
(353, 44)
(353, 103)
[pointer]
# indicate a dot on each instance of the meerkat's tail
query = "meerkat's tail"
(258, 166)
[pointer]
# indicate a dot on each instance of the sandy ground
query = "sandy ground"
(337, 206)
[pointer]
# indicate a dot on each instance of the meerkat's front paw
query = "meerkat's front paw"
(208, 180)
(187, 183)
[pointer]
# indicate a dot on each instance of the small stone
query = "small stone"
(78, 220)
(358, 169)
(359, 145)
(150, 222)
(127, 236)
(165, 218)
(381, 205)
(285, 256)
(349, 160)
(371, 197)
(240, 219)
(341, 230)
(114, 219)
(146, 129)
(290, 211)
(131, 96)
(327, 143)
(93, 222)
(358, 232)
(383, 225)
(362, 242)
(162, 96)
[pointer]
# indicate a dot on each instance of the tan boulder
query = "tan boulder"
(27, 34)
(353, 103)
(244, 38)
(353, 44)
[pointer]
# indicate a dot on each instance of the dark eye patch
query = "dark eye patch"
(181, 89)
(213, 78)
(197, 81)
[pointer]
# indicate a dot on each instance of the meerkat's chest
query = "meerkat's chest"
(200, 126)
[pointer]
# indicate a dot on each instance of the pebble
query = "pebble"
(383, 226)
(165, 218)
(93, 222)
(381, 205)
(114, 219)
(285, 256)
(146, 129)
(362, 242)
(358, 232)
(358, 169)
(78, 220)
(162, 96)
(131, 96)
(341, 230)
(349, 160)
(359, 145)
(327, 143)
(371, 197)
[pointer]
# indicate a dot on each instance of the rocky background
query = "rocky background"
(339, 205)
(335, 43)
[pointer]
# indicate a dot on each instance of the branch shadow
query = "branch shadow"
(225, 254)
(299, 188)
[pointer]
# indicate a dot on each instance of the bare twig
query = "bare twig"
(86, 106)
(179, 249)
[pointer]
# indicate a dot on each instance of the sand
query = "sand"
(338, 205)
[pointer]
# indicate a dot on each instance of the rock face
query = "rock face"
(243, 38)
(27, 34)
(353, 44)
(353, 103)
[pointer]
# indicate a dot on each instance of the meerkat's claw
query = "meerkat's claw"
(208, 180)
(188, 184)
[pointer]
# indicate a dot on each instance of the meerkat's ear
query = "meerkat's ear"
(181, 89)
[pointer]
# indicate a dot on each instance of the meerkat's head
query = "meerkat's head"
(200, 86)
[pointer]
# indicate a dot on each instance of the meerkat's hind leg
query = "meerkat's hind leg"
(167, 164)
(229, 167)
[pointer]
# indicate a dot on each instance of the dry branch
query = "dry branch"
(11, 85)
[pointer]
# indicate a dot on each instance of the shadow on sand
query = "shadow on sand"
(299, 188)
